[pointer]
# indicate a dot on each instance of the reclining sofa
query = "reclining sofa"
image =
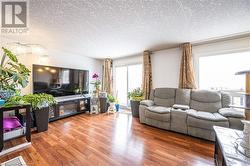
(191, 112)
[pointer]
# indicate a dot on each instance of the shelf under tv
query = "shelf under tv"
(64, 116)
(68, 106)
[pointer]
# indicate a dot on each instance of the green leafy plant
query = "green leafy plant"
(136, 95)
(111, 98)
(37, 101)
(12, 73)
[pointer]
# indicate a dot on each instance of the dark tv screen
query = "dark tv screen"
(59, 81)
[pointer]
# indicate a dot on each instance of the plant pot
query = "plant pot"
(2, 102)
(107, 107)
(135, 108)
(42, 119)
(117, 107)
(103, 104)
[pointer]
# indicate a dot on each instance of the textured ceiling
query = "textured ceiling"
(115, 28)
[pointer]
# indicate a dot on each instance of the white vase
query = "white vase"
(111, 108)
(112, 105)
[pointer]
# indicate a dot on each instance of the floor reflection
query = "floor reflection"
(124, 142)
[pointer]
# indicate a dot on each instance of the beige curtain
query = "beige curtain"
(187, 78)
(107, 76)
(147, 74)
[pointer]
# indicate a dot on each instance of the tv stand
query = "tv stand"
(68, 106)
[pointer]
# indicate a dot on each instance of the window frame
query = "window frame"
(233, 93)
(127, 84)
(198, 55)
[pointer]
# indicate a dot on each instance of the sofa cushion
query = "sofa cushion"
(207, 101)
(182, 96)
(206, 96)
(230, 112)
(164, 96)
(164, 102)
(206, 107)
(164, 93)
(159, 114)
(159, 109)
(205, 124)
(206, 115)
(205, 120)
(147, 103)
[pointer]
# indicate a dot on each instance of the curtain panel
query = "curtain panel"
(147, 74)
(107, 76)
(187, 76)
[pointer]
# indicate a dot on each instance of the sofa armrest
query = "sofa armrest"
(231, 113)
(182, 107)
(147, 103)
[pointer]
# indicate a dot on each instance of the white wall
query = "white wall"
(60, 59)
(166, 67)
(166, 63)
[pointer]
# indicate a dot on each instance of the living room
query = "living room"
(114, 82)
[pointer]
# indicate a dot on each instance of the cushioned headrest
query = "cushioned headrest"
(164, 93)
(226, 99)
(205, 96)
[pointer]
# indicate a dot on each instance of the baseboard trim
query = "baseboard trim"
(15, 148)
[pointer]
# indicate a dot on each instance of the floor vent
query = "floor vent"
(18, 161)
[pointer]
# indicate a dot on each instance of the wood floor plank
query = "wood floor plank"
(115, 139)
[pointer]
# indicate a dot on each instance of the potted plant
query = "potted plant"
(13, 74)
(40, 104)
(111, 100)
(135, 97)
(97, 84)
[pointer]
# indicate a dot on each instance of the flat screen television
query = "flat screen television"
(59, 81)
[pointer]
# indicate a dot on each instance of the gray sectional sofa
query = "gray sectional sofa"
(192, 112)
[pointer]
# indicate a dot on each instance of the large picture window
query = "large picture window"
(218, 73)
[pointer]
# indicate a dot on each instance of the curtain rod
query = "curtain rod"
(208, 41)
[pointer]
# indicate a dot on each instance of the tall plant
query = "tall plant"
(136, 95)
(13, 74)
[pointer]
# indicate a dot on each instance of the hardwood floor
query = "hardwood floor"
(116, 139)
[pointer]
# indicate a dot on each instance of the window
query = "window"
(218, 73)
(134, 77)
(121, 84)
(127, 78)
(65, 76)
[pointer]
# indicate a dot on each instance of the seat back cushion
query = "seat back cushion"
(182, 96)
(164, 96)
(204, 100)
(225, 99)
